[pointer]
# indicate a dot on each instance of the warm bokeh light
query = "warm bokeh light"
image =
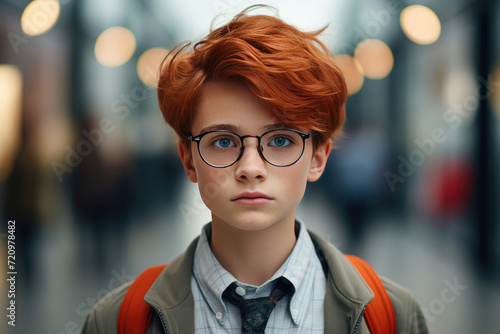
(353, 72)
(11, 87)
(115, 46)
(420, 24)
(494, 87)
(40, 16)
(148, 65)
(375, 57)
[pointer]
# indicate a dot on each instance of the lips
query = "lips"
(252, 198)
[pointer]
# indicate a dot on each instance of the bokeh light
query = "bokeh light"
(375, 57)
(420, 24)
(495, 89)
(115, 46)
(11, 87)
(353, 72)
(148, 65)
(40, 16)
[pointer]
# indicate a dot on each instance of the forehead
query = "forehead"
(231, 103)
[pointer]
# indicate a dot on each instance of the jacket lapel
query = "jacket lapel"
(171, 295)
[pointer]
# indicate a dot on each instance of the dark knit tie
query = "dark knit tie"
(255, 312)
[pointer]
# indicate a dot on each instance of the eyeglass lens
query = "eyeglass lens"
(280, 147)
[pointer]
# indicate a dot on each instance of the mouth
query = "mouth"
(252, 198)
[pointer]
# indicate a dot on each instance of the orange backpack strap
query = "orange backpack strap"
(135, 314)
(379, 314)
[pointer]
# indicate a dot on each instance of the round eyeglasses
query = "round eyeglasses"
(222, 148)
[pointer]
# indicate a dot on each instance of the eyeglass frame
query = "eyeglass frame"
(303, 135)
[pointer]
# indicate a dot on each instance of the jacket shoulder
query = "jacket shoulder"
(103, 317)
(409, 316)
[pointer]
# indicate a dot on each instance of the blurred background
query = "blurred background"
(89, 171)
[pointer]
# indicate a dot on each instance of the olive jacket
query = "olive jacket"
(347, 295)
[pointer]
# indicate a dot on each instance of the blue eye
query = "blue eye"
(280, 141)
(224, 143)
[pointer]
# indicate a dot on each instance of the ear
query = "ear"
(185, 153)
(318, 162)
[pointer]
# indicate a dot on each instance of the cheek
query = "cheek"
(294, 179)
(212, 182)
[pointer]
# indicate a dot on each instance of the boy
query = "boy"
(256, 104)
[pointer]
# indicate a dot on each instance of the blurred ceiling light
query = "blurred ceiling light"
(353, 72)
(420, 24)
(148, 65)
(11, 87)
(375, 57)
(40, 16)
(115, 46)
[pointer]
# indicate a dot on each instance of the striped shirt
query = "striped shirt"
(301, 312)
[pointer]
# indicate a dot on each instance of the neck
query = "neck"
(252, 257)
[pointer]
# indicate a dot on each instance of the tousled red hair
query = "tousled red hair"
(303, 86)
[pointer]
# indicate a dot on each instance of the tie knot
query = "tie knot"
(255, 312)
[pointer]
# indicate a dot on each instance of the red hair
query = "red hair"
(302, 85)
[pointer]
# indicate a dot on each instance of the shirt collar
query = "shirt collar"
(211, 277)
(299, 269)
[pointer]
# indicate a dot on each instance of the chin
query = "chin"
(252, 221)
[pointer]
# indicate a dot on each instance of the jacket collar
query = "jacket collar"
(347, 294)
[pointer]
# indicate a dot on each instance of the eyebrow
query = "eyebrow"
(235, 128)
(214, 127)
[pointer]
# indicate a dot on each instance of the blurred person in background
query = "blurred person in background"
(100, 187)
(353, 185)
(445, 191)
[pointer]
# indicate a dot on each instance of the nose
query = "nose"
(251, 165)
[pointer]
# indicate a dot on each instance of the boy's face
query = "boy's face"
(280, 189)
